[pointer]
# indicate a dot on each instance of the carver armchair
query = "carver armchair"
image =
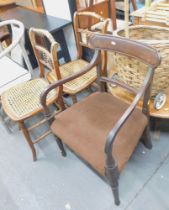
(102, 129)
(43, 46)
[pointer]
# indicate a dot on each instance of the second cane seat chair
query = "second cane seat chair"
(102, 129)
(38, 40)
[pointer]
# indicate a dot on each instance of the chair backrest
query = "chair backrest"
(17, 39)
(140, 52)
(84, 23)
(45, 49)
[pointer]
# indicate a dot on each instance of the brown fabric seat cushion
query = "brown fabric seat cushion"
(84, 128)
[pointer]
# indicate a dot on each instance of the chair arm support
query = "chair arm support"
(113, 133)
(118, 82)
(43, 96)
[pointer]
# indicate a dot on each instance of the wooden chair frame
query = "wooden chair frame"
(136, 50)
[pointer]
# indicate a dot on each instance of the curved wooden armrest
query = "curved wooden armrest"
(113, 133)
(43, 97)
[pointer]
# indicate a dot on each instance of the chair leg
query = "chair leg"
(146, 139)
(5, 120)
(74, 99)
(153, 124)
(61, 147)
(28, 139)
(61, 103)
(112, 175)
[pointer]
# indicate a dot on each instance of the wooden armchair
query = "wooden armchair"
(102, 129)
(42, 41)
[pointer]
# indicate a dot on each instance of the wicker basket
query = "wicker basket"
(131, 71)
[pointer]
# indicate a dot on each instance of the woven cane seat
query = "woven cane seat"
(23, 100)
(78, 84)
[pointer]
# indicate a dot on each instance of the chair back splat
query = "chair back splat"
(84, 29)
(45, 49)
(102, 129)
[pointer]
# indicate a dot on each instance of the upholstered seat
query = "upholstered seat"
(84, 128)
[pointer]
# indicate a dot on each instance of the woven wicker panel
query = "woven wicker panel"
(80, 83)
(23, 100)
(45, 57)
(128, 69)
(152, 36)
(43, 44)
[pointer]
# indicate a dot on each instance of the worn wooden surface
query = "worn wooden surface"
(5, 5)
(6, 2)
(128, 97)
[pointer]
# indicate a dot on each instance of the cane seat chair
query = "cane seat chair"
(102, 129)
(21, 102)
(39, 38)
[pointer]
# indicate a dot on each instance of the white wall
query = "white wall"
(57, 8)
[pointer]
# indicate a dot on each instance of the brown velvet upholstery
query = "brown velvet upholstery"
(84, 128)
